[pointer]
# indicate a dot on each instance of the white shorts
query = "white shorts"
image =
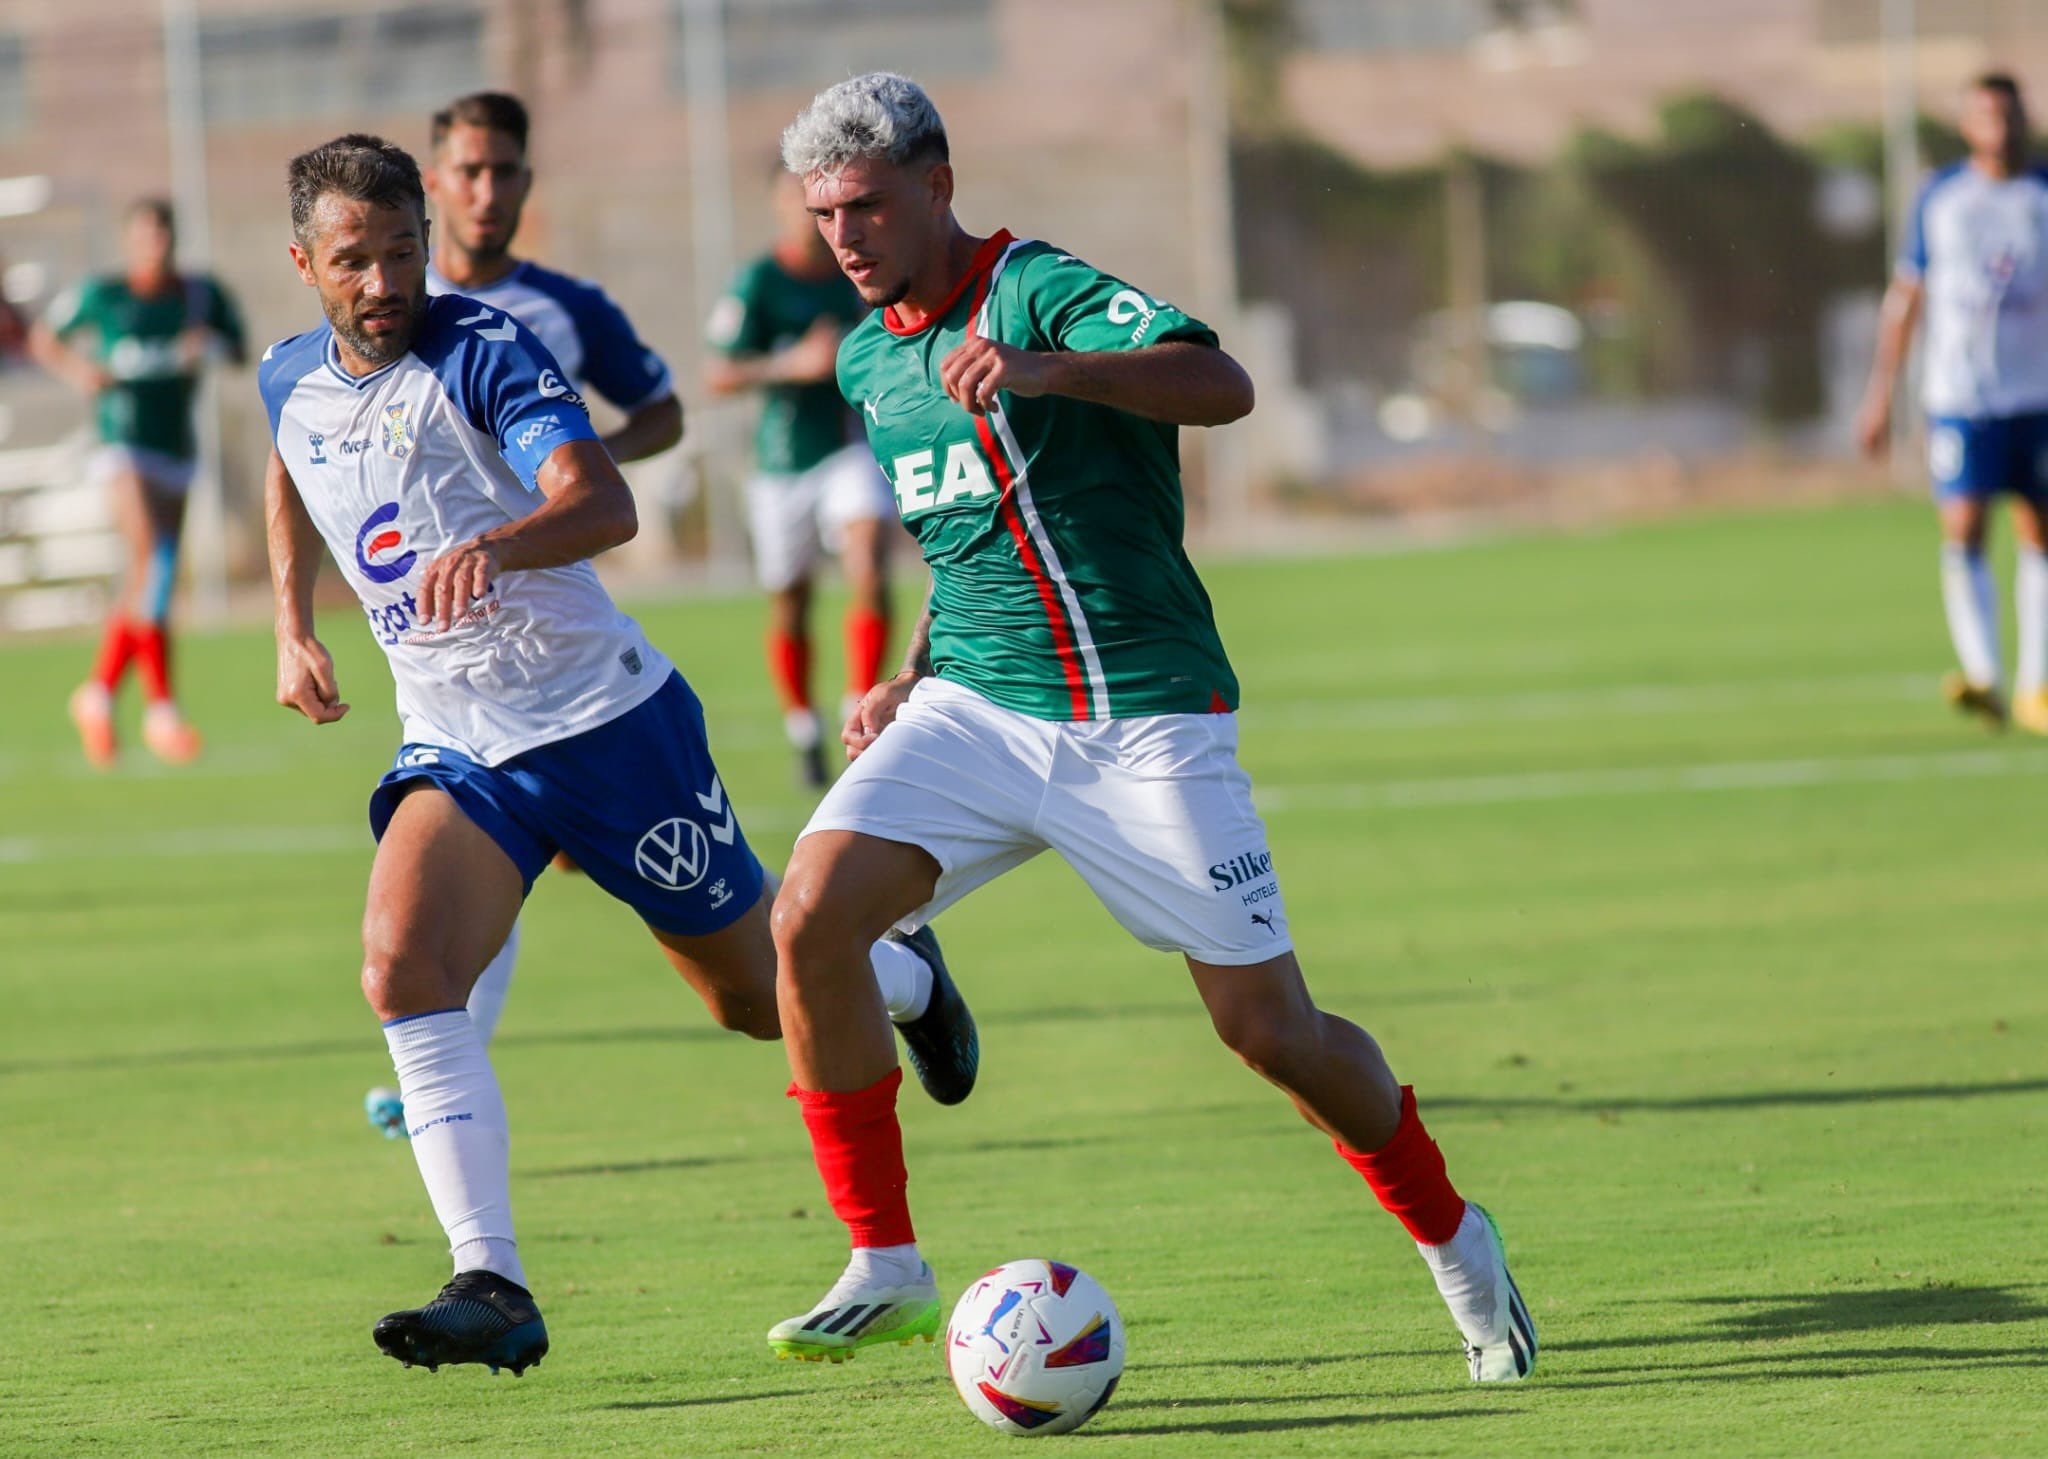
(163, 474)
(793, 519)
(1155, 813)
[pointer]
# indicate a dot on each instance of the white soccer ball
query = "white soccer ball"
(1035, 1347)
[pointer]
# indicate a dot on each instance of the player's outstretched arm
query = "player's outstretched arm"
(648, 431)
(305, 672)
(811, 359)
(49, 350)
(1179, 382)
(588, 508)
(1900, 313)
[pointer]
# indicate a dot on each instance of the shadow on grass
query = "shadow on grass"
(707, 1402)
(1752, 1099)
(1305, 1360)
(632, 1167)
(1107, 1428)
(1772, 1318)
(1867, 1310)
(1779, 1318)
(1858, 1361)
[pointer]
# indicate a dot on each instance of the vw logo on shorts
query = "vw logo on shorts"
(674, 855)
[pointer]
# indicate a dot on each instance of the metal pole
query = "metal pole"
(1465, 263)
(1226, 450)
(712, 247)
(1901, 170)
(206, 528)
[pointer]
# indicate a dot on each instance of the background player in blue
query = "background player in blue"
(479, 181)
(462, 500)
(1976, 260)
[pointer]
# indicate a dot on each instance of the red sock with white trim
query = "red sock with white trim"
(153, 660)
(1407, 1174)
(858, 1146)
(789, 665)
(117, 648)
(867, 639)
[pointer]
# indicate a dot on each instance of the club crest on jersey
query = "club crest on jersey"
(378, 545)
(398, 436)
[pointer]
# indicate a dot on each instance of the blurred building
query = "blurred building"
(1398, 82)
(1113, 148)
(1101, 124)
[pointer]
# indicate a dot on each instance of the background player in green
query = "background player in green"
(135, 342)
(1066, 690)
(815, 485)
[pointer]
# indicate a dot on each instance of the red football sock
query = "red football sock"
(153, 659)
(1407, 1174)
(117, 647)
(859, 1149)
(789, 665)
(867, 639)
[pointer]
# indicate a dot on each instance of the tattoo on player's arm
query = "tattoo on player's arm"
(917, 658)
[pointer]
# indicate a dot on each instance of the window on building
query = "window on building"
(807, 44)
(266, 68)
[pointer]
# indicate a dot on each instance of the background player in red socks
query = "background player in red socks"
(815, 485)
(136, 343)
(1066, 690)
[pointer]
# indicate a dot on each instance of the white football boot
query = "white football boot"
(1471, 1271)
(863, 1309)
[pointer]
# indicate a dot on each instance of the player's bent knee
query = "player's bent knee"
(1278, 1044)
(808, 920)
(743, 1014)
(397, 983)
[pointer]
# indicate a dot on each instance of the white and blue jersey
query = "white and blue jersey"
(544, 712)
(581, 327)
(1978, 245)
(399, 466)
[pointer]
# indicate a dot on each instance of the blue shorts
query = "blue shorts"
(636, 803)
(1976, 459)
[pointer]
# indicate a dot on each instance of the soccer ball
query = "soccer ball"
(1035, 1347)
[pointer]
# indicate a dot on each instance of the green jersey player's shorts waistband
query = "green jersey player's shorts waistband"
(636, 803)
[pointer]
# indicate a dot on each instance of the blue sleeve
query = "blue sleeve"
(283, 365)
(615, 363)
(506, 383)
(1913, 245)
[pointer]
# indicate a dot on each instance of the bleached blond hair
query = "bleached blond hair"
(879, 115)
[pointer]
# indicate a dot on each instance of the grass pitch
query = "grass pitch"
(1712, 943)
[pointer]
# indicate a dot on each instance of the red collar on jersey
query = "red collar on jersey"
(984, 260)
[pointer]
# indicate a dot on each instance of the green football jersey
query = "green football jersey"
(135, 339)
(1052, 526)
(767, 309)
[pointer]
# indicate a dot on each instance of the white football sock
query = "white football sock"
(803, 728)
(1468, 1276)
(2030, 596)
(871, 1267)
(456, 1118)
(1970, 594)
(487, 998)
(904, 978)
